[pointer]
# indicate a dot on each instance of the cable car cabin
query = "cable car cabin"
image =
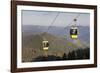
(74, 32)
(45, 45)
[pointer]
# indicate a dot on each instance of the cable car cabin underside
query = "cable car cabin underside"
(74, 36)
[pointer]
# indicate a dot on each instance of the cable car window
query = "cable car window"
(47, 44)
(73, 31)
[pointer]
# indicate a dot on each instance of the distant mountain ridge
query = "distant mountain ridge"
(84, 31)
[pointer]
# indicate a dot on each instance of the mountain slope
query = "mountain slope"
(32, 46)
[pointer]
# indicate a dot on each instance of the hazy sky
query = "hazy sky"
(45, 18)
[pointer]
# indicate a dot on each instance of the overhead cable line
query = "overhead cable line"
(53, 21)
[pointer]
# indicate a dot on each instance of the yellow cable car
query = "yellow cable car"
(45, 45)
(74, 30)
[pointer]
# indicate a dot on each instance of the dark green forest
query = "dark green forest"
(78, 54)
